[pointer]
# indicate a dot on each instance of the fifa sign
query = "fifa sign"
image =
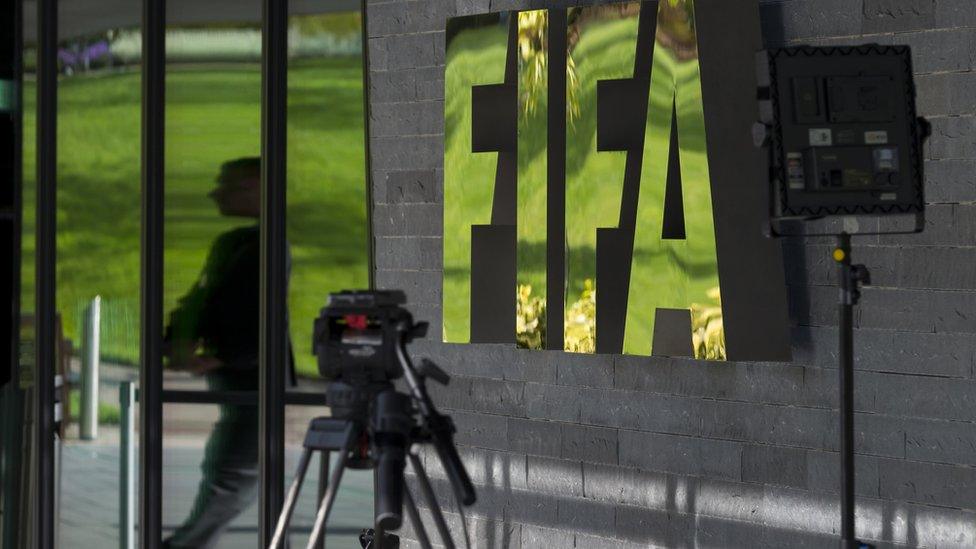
(601, 189)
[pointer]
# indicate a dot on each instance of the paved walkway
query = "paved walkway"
(90, 499)
(90, 478)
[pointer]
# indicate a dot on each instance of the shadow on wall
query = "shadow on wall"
(771, 19)
(619, 506)
(794, 256)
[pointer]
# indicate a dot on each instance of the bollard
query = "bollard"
(127, 468)
(88, 415)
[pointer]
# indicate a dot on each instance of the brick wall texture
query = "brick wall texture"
(613, 451)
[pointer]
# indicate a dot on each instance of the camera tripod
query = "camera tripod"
(377, 426)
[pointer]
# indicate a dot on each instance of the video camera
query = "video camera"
(357, 333)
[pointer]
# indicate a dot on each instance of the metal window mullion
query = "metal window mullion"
(46, 335)
(9, 407)
(151, 286)
(274, 284)
(556, 181)
(17, 182)
(370, 242)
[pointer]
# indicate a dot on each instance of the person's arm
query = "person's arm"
(185, 355)
(187, 321)
(183, 341)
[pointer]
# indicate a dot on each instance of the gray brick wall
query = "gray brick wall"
(603, 451)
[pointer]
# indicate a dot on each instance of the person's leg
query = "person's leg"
(230, 475)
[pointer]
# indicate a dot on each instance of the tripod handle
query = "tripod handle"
(442, 431)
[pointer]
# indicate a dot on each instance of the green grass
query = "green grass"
(594, 180)
(108, 414)
(213, 115)
(671, 274)
(532, 182)
(666, 273)
(475, 57)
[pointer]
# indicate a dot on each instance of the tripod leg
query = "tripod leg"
(289, 505)
(418, 525)
(318, 530)
(323, 484)
(431, 499)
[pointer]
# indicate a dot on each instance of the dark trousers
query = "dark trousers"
(230, 466)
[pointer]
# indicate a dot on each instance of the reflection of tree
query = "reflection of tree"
(708, 331)
(579, 332)
(675, 32)
(676, 28)
(530, 319)
(533, 45)
(342, 24)
(580, 17)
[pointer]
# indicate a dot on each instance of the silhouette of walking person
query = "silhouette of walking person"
(213, 332)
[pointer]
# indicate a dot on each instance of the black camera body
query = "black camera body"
(357, 335)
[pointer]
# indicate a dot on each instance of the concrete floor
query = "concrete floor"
(90, 480)
(90, 498)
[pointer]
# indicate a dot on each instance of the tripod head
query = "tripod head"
(356, 335)
(360, 339)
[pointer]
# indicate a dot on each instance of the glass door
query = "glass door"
(327, 227)
(89, 213)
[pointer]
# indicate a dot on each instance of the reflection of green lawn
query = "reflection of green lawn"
(682, 271)
(594, 179)
(213, 115)
(475, 57)
(533, 162)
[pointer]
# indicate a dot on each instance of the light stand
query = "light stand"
(850, 279)
(840, 131)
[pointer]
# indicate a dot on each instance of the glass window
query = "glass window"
(211, 290)
(212, 246)
(327, 227)
(98, 226)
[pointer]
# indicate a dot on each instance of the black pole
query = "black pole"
(11, 204)
(324, 486)
(274, 283)
(370, 241)
(556, 182)
(46, 335)
(848, 298)
(11, 399)
(151, 361)
(368, 181)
